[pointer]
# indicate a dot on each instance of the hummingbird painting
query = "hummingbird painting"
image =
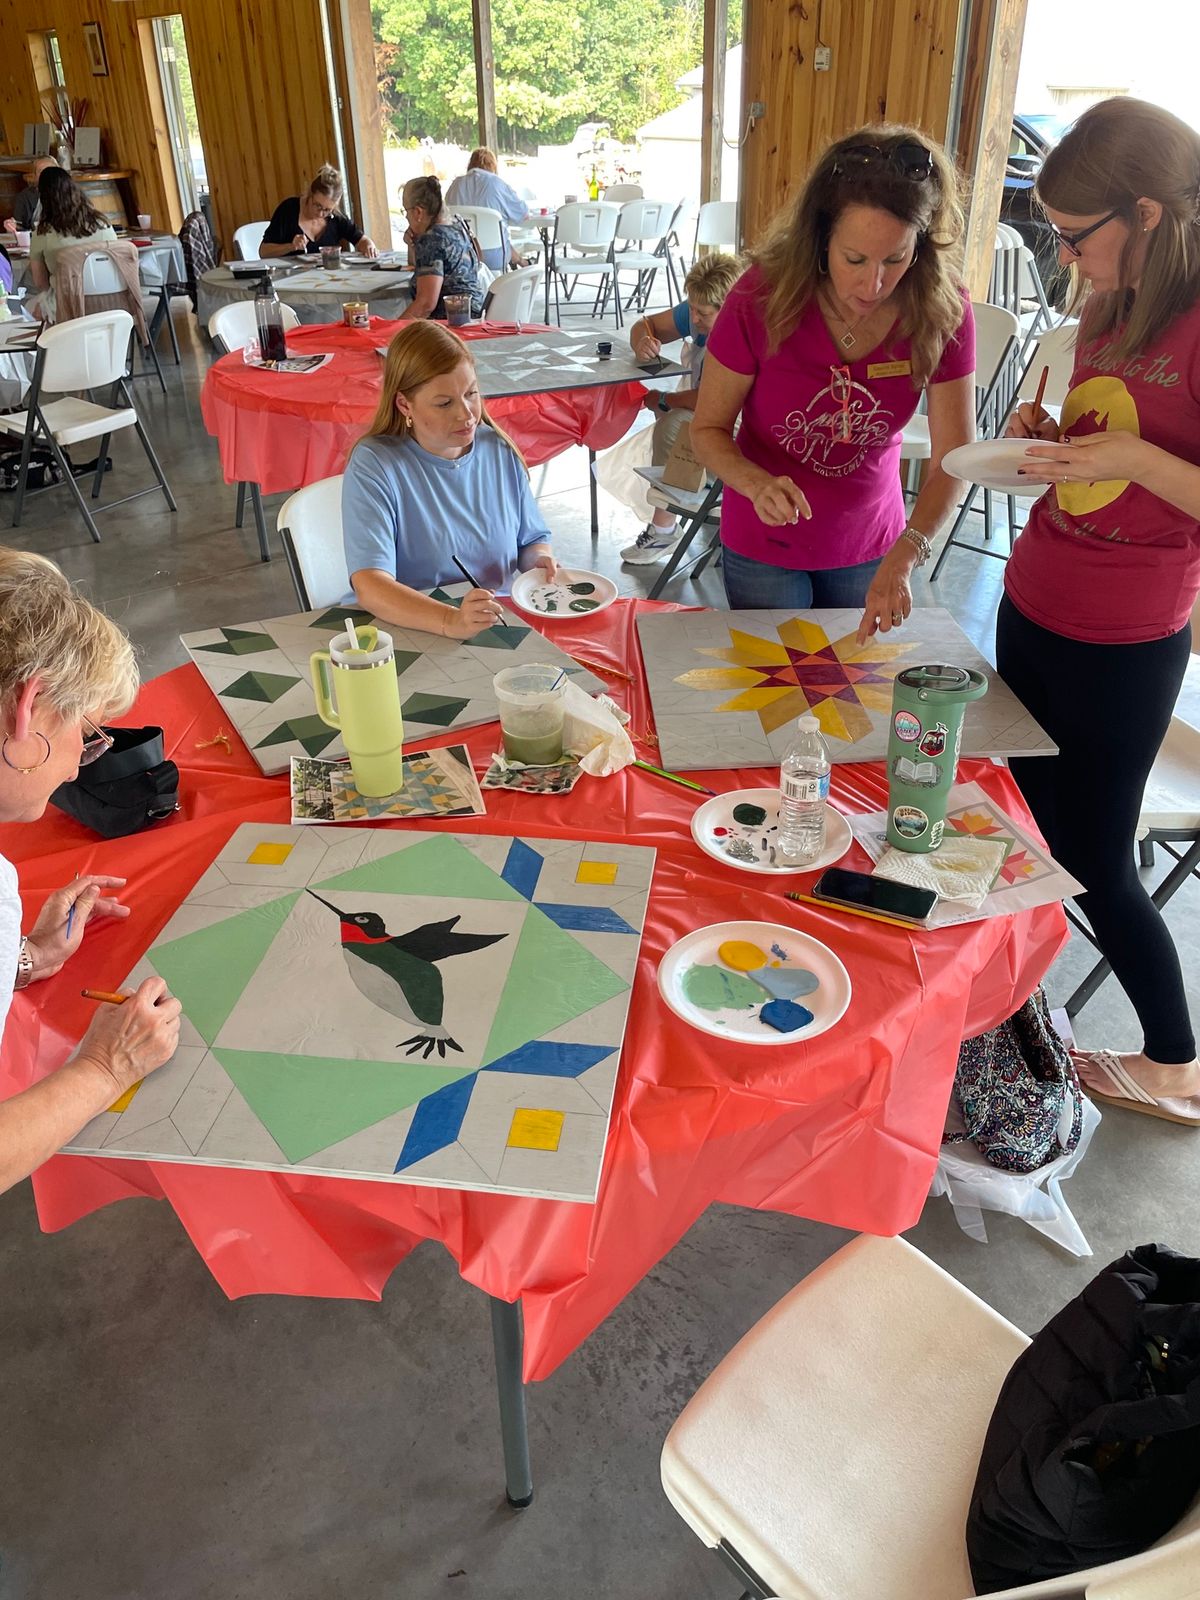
(396, 971)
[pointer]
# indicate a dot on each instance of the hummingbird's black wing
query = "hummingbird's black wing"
(435, 941)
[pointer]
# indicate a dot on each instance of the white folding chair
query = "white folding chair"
(581, 247)
(247, 240)
(157, 303)
(1055, 348)
(996, 335)
(832, 1454)
(234, 327)
(487, 225)
(83, 354)
(102, 276)
(620, 192)
(310, 526)
(716, 226)
(511, 297)
(639, 246)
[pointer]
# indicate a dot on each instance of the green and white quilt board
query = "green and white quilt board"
(424, 1008)
(259, 671)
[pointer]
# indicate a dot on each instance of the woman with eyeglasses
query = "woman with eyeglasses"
(64, 667)
(852, 310)
(1093, 630)
(311, 221)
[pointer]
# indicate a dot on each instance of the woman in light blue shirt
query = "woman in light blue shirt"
(481, 185)
(434, 478)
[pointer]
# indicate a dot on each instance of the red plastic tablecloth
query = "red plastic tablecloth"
(327, 411)
(844, 1130)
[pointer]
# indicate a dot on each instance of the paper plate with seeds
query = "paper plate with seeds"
(741, 829)
(570, 594)
(755, 982)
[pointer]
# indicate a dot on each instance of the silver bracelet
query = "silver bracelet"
(919, 543)
(24, 966)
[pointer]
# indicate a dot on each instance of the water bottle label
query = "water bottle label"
(806, 790)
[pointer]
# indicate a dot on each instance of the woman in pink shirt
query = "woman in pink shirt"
(852, 310)
(1093, 630)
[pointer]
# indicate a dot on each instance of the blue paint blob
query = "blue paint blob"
(785, 1016)
(786, 983)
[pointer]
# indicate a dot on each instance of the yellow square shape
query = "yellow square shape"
(535, 1130)
(269, 855)
(596, 872)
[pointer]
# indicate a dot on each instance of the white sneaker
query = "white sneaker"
(651, 545)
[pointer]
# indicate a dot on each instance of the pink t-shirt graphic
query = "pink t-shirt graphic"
(831, 424)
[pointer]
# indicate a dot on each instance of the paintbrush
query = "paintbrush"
(1039, 415)
(851, 911)
(475, 584)
(673, 777)
(106, 995)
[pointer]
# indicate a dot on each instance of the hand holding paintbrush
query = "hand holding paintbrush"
(1033, 421)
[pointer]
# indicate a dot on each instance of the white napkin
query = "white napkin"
(963, 867)
(594, 730)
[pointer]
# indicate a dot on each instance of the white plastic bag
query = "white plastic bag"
(616, 474)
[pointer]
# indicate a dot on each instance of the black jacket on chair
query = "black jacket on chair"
(1093, 1450)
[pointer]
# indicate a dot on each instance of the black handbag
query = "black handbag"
(128, 788)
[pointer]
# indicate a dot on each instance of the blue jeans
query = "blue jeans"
(756, 586)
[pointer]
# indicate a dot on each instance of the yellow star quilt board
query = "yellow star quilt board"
(442, 1009)
(727, 686)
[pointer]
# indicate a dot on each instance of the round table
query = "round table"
(284, 430)
(315, 295)
(844, 1130)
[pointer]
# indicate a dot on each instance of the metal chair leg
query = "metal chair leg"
(23, 470)
(171, 324)
(240, 514)
(98, 477)
(260, 522)
(64, 466)
(952, 542)
(592, 493)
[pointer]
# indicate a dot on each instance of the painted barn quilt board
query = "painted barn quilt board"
(259, 671)
(427, 1008)
(727, 686)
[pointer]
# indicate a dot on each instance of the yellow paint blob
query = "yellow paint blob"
(741, 955)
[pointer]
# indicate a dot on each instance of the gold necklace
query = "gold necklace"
(849, 337)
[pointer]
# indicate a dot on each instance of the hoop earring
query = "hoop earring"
(823, 264)
(14, 765)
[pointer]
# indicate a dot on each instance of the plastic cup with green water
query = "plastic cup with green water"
(358, 694)
(531, 700)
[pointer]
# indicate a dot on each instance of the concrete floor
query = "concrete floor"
(160, 1441)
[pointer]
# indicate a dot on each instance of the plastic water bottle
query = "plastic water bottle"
(803, 791)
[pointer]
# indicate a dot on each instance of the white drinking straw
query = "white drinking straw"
(351, 635)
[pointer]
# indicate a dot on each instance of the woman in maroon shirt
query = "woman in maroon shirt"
(1093, 630)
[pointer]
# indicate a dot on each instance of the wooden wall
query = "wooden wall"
(260, 79)
(892, 60)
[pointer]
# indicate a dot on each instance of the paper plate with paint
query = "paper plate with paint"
(741, 829)
(572, 594)
(756, 982)
(993, 463)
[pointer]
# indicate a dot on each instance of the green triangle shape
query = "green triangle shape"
(336, 618)
(553, 978)
(311, 732)
(309, 1102)
(438, 866)
(264, 686)
(239, 644)
(504, 636)
(404, 659)
(434, 708)
(208, 970)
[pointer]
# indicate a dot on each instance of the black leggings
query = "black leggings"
(1108, 708)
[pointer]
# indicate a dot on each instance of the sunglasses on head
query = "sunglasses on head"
(910, 159)
(1072, 241)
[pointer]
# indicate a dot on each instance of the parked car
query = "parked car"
(1032, 138)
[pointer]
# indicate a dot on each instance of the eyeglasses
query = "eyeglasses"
(324, 211)
(908, 157)
(95, 742)
(842, 389)
(1072, 241)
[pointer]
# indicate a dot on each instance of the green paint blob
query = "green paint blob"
(582, 588)
(715, 988)
(584, 605)
(749, 816)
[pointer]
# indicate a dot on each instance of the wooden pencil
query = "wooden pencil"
(106, 995)
(851, 911)
(673, 777)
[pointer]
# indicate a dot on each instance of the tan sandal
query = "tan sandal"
(1126, 1093)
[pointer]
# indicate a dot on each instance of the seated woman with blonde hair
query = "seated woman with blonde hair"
(432, 479)
(64, 668)
(311, 221)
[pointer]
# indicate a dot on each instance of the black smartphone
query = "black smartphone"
(862, 892)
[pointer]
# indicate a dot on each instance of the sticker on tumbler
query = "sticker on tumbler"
(935, 834)
(909, 822)
(907, 726)
(919, 774)
(934, 742)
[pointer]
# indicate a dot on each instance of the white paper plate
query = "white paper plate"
(715, 828)
(555, 600)
(827, 1001)
(993, 463)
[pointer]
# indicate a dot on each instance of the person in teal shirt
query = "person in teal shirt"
(434, 478)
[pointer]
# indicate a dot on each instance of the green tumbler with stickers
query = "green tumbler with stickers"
(928, 704)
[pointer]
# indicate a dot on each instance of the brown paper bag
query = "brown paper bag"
(682, 470)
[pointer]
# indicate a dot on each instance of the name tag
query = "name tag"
(889, 369)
